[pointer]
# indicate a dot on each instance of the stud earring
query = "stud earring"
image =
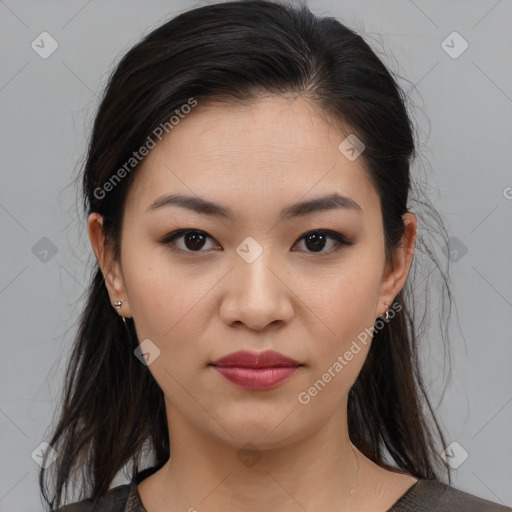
(117, 305)
(386, 314)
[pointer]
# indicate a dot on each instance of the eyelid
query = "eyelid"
(340, 239)
(170, 237)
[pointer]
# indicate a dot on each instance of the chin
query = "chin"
(265, 430)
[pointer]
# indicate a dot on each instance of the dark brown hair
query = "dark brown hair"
(112, 410)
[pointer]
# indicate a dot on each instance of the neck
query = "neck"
(203, 473)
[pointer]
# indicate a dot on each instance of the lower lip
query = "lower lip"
(256, 378)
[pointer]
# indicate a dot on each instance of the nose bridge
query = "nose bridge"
(258, 294)
(256, 267)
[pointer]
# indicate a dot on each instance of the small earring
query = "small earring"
(117, 304)
(386, 314)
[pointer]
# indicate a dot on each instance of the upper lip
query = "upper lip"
(246, 359)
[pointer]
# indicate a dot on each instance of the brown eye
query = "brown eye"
(316, 241)
(192, 240)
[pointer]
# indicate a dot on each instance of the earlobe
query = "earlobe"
(110, 268)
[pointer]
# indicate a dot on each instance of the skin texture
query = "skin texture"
(198, 306)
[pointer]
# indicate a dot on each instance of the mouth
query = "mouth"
(256, 370)
(256, 378)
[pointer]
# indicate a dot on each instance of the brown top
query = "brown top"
(423, 496)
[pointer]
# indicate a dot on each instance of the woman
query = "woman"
(247, 325)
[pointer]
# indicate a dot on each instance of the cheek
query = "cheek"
(339, 355)
(346, 307)
(162, 305)
(347, 304)
(154, 287)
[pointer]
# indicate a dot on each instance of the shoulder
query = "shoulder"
(434, 496)
(114, 500)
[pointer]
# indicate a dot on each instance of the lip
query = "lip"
(256, 370)
(246, 359)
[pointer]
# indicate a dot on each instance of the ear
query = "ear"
(395, 274)
(110, 267)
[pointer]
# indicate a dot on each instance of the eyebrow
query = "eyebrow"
(206, 207)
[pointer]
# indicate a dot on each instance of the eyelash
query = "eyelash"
(341, 240)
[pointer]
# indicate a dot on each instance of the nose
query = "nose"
(258, 294)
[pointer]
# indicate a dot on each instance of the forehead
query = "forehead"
(266, 152)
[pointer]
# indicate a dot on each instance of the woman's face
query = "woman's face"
(253, 281)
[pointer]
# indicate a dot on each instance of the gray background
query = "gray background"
(463, 110)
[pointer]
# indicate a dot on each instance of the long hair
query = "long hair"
(112, 410)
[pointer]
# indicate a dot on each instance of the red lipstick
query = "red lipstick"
(256, 370)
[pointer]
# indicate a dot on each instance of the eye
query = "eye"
(193, 240)
(316, 240)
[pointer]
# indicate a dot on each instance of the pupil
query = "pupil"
(316, 238)
(195, 238)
